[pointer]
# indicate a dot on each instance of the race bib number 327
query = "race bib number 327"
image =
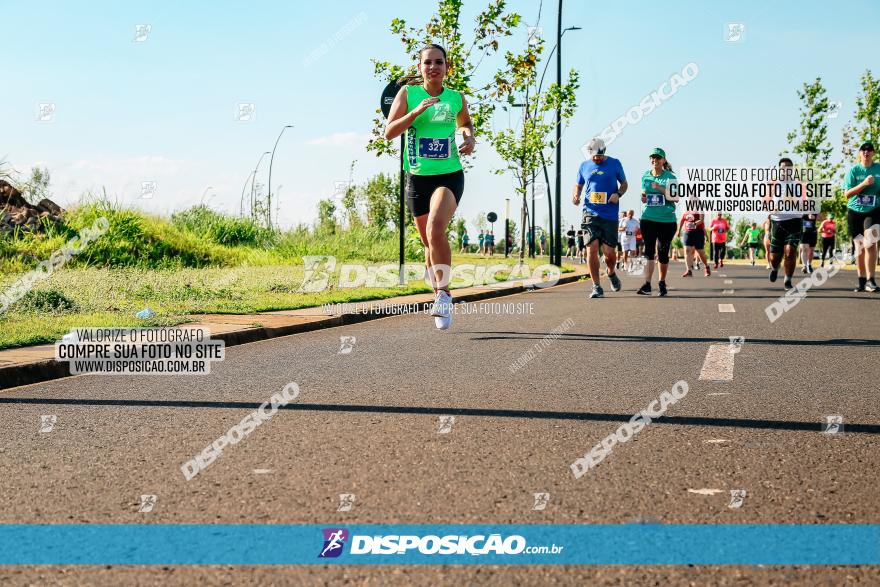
(433, 148)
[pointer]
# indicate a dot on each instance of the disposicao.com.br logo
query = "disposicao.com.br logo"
(322, 273)
(392, 544)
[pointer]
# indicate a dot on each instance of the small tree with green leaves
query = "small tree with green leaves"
(522, 148)
(459, 226)
(480, 222)
(37, 186)
(865, 125)
(327, 216)
(810, 140)
(380, 196)
(444, 27)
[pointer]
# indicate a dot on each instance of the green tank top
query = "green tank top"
(754, 235)
(430, 141)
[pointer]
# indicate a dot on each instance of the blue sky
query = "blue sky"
(164, 109)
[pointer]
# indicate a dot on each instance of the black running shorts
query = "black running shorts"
(859, 222)
(695, 238)
(657, 236)
(785, 232)
(420, 188)
(596, 228)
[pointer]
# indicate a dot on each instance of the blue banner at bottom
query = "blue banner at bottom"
(631, 544)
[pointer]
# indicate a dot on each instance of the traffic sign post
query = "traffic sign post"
(387, 99)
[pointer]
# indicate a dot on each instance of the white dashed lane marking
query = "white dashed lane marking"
(718, 364)
(727, 292)
(728, 282)
(726, 308)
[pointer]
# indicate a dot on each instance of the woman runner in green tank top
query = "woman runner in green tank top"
(430, 114)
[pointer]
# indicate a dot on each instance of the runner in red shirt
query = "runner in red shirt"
(829, 232)
(692, 231)
(719, 227)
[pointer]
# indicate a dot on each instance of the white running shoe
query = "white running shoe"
(442, 310)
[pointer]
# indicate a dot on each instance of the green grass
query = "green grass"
(197, 262)
(197, 237)
(111, 296)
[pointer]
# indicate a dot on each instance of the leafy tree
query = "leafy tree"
(480, 222)
(444, 27)
(810, 140)
(866, 123)
(522, 148)
(327, 215)
(459, 226)
(37, 186)
(380, 196)
(739, 231)
(350, 201)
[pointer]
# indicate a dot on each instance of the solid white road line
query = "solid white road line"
(718, 364)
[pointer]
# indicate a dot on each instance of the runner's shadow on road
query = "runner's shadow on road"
(449, 411)
(844, 342)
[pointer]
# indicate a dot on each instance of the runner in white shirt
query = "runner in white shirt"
(627, 229)
(786, 227)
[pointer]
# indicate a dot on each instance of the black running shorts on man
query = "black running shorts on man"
(596, 228)
(785, 232)
(420, 188)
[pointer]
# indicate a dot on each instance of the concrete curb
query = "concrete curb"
(47, 370)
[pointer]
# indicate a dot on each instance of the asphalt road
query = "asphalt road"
(367, 423)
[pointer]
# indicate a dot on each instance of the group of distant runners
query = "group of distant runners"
(429, 115)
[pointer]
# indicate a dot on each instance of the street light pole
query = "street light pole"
(532, 223)
(506, 226)
(556, 259)
(556, 223)
(244, 187)
(272, 160)
(254, 183)
(210, 187)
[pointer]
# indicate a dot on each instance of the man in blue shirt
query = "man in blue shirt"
(605, 184)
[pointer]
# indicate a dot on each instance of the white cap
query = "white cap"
(595, 147)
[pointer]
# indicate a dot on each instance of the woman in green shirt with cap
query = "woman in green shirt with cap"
(658, 222)
(862, 187)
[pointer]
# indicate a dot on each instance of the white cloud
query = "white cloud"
(342, 139)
